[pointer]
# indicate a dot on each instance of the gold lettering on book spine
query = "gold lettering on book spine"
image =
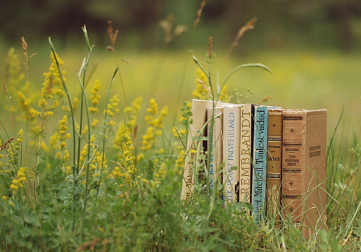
(245, 157)
(292, 164)
(274, 161)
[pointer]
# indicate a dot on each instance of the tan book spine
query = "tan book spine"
(198, 117)
(217, 143)
(274, 162)
(304, 168)
(231, 144)
(245, 153)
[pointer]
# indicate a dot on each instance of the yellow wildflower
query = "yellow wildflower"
(95, 97)
(52, 86)
(200, 91)
(20, 180)
(155, 124)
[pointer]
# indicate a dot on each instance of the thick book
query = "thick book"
(199, 108)
(259, 163)
(246, 150)
(231, 144)
(274, 161)
(215, 136)
(304, 168)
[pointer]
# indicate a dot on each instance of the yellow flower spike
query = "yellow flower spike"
(75, 103)
(28, 112)
(62, 145)
(14, 70)
(42, 103)
(52, 85)
(128, 109)
(95, 96)
(94, 123)
(223, 95)
(19, 181)
(93, 110)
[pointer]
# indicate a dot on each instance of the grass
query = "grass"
(127, 196)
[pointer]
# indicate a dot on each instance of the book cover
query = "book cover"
(260, 163)
(231, 144)
(198, 117)
(274, 161)
(246, 150)
(216, 139)
(304, 168)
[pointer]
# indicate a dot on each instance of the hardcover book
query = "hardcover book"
(246, 150)
(260, 163)
(216, 139)
(231, 144)
(198, 117)
(304, 168)
(275, 127)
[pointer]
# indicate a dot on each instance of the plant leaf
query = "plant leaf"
(199, 64)
(244, 66)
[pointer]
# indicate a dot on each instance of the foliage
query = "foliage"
(75, 179)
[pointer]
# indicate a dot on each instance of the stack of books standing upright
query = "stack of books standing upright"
(272, 158)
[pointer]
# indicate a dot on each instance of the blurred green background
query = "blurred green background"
(299, 23)
(312, 48)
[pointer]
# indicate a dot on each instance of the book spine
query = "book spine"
(231, 137)
(304, 168)
(198, 119)
(275, 127)
(260, 163)
(293, 163)
(245, 179)
(216, 145)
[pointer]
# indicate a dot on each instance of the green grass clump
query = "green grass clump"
(76, 176)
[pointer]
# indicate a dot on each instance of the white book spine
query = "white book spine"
(217, 143)
(231, 144)
(199, 110)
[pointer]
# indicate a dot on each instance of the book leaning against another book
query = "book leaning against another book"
(215, 145)
(198, 118)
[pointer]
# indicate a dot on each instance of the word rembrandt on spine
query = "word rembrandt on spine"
(246, 152)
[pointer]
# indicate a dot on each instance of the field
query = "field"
(125, 194)
(299, 79)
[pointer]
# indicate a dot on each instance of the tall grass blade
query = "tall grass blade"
(74, 168)
(104, 126)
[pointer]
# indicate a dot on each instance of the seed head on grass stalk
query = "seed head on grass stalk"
(113, 35)
(199, 13)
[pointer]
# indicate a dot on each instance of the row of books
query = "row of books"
(270, 157)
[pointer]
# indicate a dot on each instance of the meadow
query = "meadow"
(112, 180)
